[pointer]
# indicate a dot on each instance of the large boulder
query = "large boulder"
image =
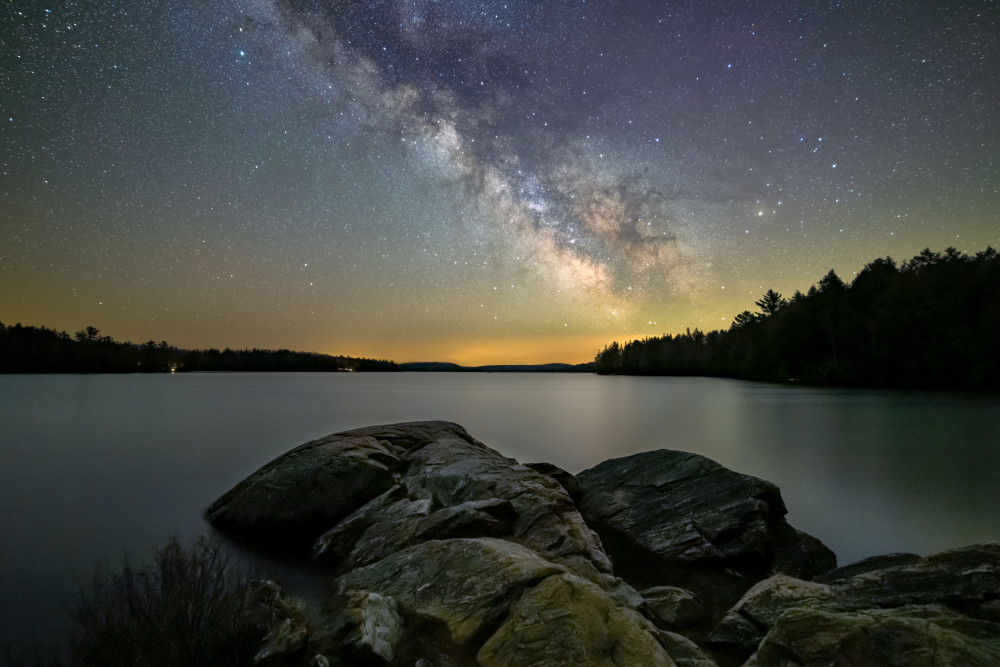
(672, 608)
(437, 550)
(357, 496)
(677, 508)
(741, 630)
(286, 504)
(491, 602)
(955, 590)
(814, 638)
(966, 579)
(368, 628)
(458, 470)
(871, 564)
(466, 584)
(566, 620)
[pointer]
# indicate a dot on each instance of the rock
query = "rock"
(742, 629)
(565, 479)
(290, 501)
(815, 638)
(683, 651)
(682, 508)
(467, 584)
(672, 608)
(360, 495)
(989, 609)
(738, 637)
(453, 471)
(373, 626)
(282, 640)
(389, 524)
(965, 579)
(447, 528)
(384, 525)
(441, 552)
(867, 565)
(289, 630)
(962, 581)
(679, 519)
(566, 620)
(799, 554)
(489, 517)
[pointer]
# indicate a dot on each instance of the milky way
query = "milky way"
(477, 181)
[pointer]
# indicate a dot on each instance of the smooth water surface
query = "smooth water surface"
(93, 467)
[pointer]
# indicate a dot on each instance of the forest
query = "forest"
(28, 349)
(930, 322)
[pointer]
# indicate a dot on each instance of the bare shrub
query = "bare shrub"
(192, 606)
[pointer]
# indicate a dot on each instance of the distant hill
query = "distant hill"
(531, 368)
(445, 367)
(431, 367)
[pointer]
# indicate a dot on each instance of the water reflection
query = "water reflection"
(94, 466)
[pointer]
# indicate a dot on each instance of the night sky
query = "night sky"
(477, 181)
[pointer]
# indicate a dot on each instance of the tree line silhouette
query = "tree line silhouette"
(28, 349)
(931, 322)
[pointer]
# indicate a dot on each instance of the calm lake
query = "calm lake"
(94, 467)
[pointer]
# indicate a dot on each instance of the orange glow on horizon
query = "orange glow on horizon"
(486, 351)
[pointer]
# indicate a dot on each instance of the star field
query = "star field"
(477, 181)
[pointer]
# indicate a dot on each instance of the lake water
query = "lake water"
(93, 467)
